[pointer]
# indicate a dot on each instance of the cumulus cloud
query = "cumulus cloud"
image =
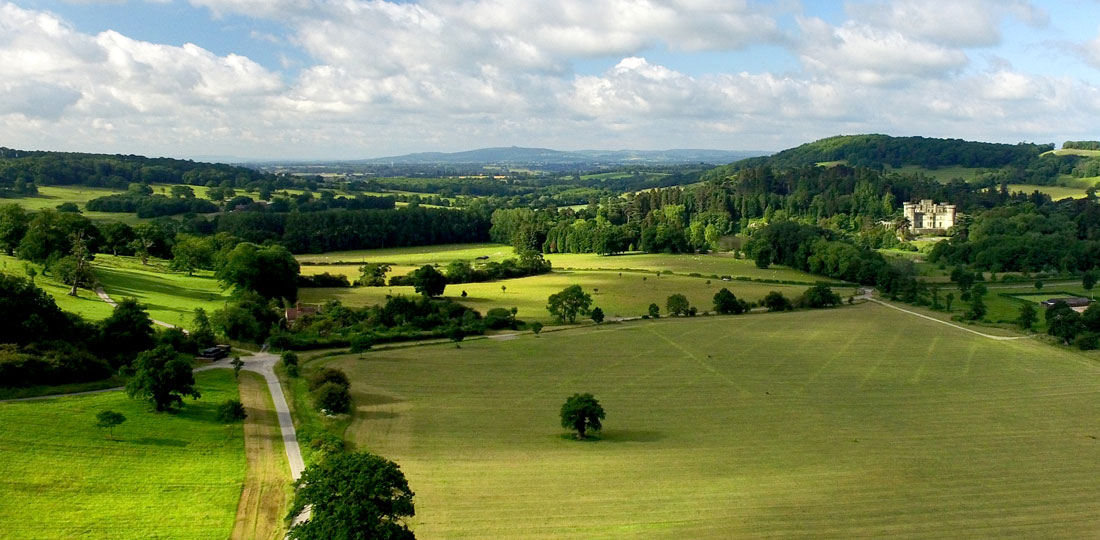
(948, 23)
(385, 77)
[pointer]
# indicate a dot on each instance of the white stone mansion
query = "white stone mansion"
(928, 217)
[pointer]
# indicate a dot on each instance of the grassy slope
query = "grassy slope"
(87, 304)
(404, 260)
(168, 296)
(167, 476)
(626, 296)
(842, 423)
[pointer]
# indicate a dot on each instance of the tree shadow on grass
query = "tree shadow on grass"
(375, 415)
(618, 436)
(156, 441)
(369, 400)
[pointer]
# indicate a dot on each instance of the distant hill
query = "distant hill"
(514, 155)
(879, 151)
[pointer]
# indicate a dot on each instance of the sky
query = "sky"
(351, 79)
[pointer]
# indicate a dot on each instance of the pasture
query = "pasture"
(168, 296)
(175, 476)
(625, 295)
(853, 422)
(1056, 193)
(405, 260)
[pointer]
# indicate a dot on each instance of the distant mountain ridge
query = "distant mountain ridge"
(545, 156)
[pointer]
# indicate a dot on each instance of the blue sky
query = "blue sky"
(336, 79)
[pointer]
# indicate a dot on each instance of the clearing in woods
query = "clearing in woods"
(857, 421)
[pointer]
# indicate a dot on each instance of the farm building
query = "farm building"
(1077, 303)
(298, 310)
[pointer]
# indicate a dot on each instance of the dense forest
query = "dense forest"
(20, 168)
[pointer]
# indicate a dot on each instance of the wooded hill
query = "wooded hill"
(22, 169)
(879, 151)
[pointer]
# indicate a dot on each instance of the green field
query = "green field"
(404, 260)
(1074, 152)
(944, 175)
(168, 296)
(87, 304)
(625, 296)
(174, 476)
(1056, 192)
(853, 422)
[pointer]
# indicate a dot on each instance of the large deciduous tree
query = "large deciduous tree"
(428, 281)
(126, 332)
(356, 496)
(163, 378)
(568, 303)
(270, 271)
(582, 413)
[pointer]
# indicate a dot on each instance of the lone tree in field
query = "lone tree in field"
(163, 378)
(654, 311)
(597, 315)
(582, 413)
(566, 304)
(352, 496)
(428, 281)
(535, 327)
(108, 420)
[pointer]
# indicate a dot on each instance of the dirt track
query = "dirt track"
(263, 501)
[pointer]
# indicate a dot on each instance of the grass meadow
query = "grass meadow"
(171, 297)
(852, 422)
(625, 295)
(165, 476)
(405, 260)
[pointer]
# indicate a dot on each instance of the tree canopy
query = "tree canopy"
(582, 413)
(353, 496)
(163, 378)
(568, 303)
(270, 271)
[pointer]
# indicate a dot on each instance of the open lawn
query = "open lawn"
(87, 304)
(164, 476)
(852, 422)
(168, 296)
(405, 260)
(1056, 192)
(625, 296)
(1073, 152)
(943, 175)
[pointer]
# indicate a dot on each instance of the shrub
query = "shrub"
(328, 375)
(333, 397)
(1087, 341)
(231, 410)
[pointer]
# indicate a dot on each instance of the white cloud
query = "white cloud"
(948, 23)
(385, 77)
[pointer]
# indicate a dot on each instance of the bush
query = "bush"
(328, 375)
(231, 410)
(322, 441)
(333, 397)
(775, 301)
(324, 280)
(1087, 341)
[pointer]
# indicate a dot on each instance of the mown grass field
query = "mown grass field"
(1056, 193)
(87, 304)
(165, 476)
(853, 422)
(628, 295)
(168, 296)
(405, 260)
